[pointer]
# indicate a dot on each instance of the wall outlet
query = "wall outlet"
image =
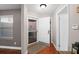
(14, 43)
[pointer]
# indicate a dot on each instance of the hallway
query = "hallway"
(41, 48)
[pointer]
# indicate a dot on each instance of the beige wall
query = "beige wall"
(74, 19)
(16, 28)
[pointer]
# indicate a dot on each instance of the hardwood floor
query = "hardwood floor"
(9, 51)
(48, 50)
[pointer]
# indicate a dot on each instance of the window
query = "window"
(6, 26)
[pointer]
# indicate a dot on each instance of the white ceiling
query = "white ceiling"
(34, 8)
(48, 11)
(9, 6)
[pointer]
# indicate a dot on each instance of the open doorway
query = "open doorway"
(43, 26)
(39, 34)
(32, 34)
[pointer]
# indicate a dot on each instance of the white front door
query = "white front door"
(43, 27)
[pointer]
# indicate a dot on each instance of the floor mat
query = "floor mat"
(36, 47)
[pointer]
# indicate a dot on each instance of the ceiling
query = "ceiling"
(9, 6)
(34, 8)
(48, 11)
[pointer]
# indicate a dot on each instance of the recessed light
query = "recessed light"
(43, 5)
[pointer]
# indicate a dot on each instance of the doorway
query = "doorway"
(42, 30)
(63, 29)
(32, 34)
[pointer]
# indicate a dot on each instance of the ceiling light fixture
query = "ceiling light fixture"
(43, 5)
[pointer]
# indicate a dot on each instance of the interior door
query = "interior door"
(43, 27)
(63, 40)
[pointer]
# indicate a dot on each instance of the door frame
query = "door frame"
(50, 32)
(58, 26)
(31, 19)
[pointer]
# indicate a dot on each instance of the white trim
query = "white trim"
(31, 17)
(54, 45)
(32, 43)
(9, 47)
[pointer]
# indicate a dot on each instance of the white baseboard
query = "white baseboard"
(54, 45)
(10, 47)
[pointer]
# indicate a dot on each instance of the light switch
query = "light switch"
(75, 27)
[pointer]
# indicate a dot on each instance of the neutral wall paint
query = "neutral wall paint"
(74, 19)
(24, 29)
(16, 28)
(32, 15)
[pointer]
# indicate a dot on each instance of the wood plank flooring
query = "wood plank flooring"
(48, 50)
(9, 51)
